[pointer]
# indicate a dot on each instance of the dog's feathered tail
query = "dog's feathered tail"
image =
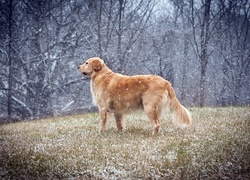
(180, 115)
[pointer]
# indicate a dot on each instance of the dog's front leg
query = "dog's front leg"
(103, 119)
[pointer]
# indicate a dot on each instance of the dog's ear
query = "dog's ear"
(97, 65)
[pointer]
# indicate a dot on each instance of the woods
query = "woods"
(201, 47)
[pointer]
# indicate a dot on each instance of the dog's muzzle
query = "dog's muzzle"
(84, 73)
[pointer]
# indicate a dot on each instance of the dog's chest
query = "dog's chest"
(97, 91)
(92, 89)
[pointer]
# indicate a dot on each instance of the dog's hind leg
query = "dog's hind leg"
(119, 120)
(152, 112)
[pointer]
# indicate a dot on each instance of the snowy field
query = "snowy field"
(217, 146)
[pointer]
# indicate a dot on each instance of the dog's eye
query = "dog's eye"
(86, 63)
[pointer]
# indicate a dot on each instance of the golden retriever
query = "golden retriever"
(116, 93)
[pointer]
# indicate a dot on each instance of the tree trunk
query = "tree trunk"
(99, 26)
(204, 54)
(10, 62)
(119, 45)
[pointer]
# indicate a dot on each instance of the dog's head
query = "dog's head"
(91, 66)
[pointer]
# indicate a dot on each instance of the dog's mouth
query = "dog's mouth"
(86, 74)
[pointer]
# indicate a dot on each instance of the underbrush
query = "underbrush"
(216, 146)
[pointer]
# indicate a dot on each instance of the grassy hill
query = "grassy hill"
(217, 146)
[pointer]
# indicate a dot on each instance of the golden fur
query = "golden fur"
(118, 94)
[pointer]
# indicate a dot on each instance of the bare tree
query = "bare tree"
(201, 44)
(10, 60)
(234, 48)
(117, 26)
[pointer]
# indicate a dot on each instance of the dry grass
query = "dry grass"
(217, 146)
